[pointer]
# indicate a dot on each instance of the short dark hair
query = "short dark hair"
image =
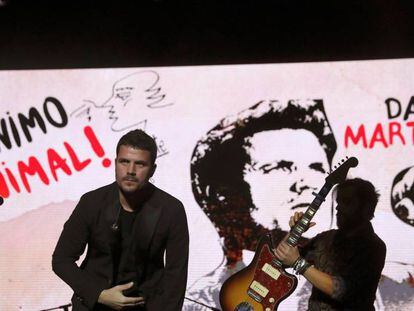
(138, 139)
(366, 193)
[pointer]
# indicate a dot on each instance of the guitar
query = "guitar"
(264, 283)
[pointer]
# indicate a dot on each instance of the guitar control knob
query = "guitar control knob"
(268, 309)
(271, 300)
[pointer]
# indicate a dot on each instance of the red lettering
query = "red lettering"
(77, 164)
(32, 168)
(394, 129)
(57, 162)
(411, 124)
(4, 189)
(96, 145)
(13, 180)
(68, 163)
(349, 134)
(378, 136)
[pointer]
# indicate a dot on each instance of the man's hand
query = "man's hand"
(294, 219)
(115, 299)
(286, 253)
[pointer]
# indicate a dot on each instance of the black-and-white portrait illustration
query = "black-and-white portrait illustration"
(253, 170)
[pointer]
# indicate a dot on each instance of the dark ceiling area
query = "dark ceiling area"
(90, 34)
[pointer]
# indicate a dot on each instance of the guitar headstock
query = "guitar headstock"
(341, 170)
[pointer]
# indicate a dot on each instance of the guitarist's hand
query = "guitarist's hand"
(286, 253)
(115, 299)
(294, 219)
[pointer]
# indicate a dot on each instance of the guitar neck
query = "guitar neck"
(303, 223)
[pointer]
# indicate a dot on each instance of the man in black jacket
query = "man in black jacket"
(136, 237)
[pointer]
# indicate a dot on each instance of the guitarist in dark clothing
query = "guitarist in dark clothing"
(344, 265)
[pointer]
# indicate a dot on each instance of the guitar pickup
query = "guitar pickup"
(259, 289)
(271, 271)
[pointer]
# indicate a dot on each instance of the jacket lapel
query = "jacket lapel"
(145, 223)
(142, 233)
(111, 216)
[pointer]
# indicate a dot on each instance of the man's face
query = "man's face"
(133, 169)
(286, 166)
(349, 213)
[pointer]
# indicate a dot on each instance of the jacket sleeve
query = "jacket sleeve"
(174, 280)
(69, 248)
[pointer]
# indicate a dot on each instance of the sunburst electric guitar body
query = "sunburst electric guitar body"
(262, 285)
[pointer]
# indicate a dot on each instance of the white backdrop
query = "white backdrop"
(179, 106)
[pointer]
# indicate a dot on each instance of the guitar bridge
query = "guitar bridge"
(253, 295)
(257, 291)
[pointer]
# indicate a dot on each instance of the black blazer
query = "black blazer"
(160, 227)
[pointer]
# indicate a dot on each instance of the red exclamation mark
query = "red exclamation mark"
(96, 145)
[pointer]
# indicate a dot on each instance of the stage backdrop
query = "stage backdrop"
(241, 146)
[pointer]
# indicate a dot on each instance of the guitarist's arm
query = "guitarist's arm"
(323, 281)
(289, 255)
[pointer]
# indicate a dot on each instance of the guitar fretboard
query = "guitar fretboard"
(303, 224)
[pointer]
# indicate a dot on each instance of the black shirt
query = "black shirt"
(126, 223)
(355, 263)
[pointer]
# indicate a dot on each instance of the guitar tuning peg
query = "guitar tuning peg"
(347, 157)
(343, 160)
(335, 167)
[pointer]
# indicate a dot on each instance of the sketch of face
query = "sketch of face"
(131, 98)
(286, 166)
(128, 96)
